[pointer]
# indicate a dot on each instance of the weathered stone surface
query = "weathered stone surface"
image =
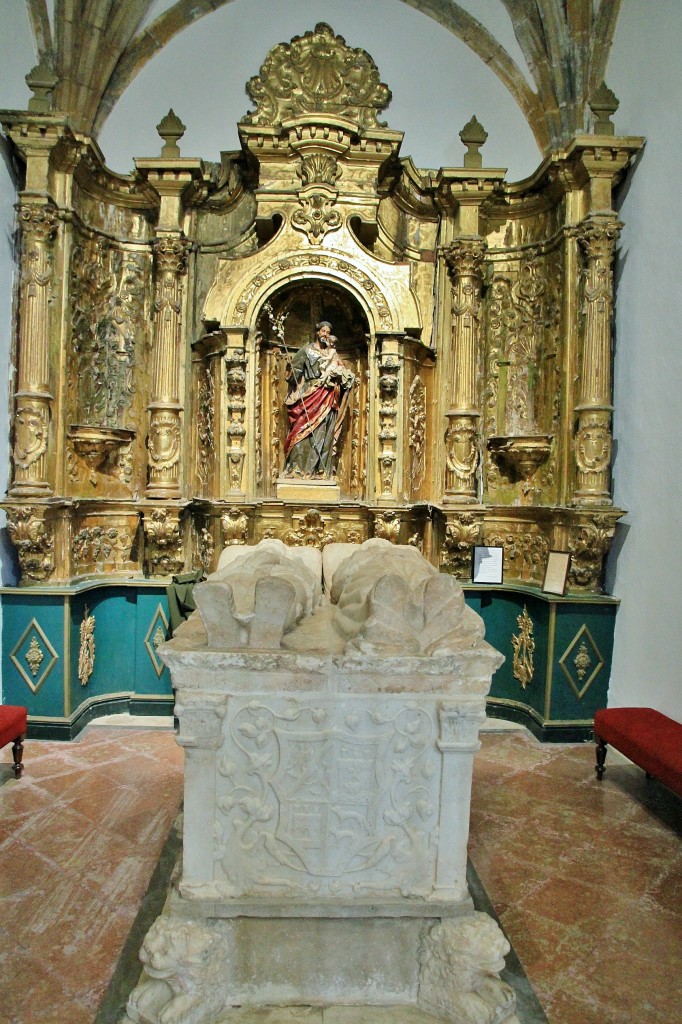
(327, 791)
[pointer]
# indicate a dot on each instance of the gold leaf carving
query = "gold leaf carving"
(582, 660)
(86, 654)
(311, 532)
(34, 656)
(33, 538)
(523, 645)
(234, 525)
(387, 526)
(317, 73)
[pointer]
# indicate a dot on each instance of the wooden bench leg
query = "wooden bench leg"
(601, 756)
(17, 754)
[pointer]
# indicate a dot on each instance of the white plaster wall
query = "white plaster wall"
(436, 80)
(646, 573)
(17, 59)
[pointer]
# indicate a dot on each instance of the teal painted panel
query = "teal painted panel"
(583, 651)
(151, 676)
(114, 612)
(500, 612)
(33, 662)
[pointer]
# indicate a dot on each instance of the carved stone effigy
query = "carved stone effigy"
(329, 744)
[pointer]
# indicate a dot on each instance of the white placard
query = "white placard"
(487, 567)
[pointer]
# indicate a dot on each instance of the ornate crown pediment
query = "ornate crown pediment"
(317, 73)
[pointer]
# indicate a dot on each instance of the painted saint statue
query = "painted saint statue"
(319, 391)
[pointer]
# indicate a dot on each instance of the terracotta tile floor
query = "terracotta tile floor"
(585, 877)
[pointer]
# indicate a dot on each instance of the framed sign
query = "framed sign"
(487, 565)
(556, 572)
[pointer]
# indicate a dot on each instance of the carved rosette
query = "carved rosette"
(387, 456)
(235, 364)
(462, 532)
(164, 553)
(588, 542)
(165, 433)
(464, 258)
(33, 537)
(33, 399)
(598, 237)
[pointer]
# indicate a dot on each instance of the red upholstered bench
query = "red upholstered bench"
(13, 730)
(652, 740)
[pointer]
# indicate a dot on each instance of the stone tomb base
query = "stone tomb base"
(327, 795)
(388, 966)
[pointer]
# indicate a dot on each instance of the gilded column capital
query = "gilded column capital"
(171, 253)
(598, 236)
(38, 221)
(464, 257)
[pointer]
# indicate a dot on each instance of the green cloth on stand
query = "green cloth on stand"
(180, 600)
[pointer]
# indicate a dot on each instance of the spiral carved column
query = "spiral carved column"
(165, 428)
(33, 397)
(464, 258)
(598, 239)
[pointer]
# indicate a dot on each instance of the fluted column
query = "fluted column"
(33, 397)
(598, 236)
(165, 428)
(464, 258)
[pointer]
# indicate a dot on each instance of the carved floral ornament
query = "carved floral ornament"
(86, 654)
(33, 539)
(523, 645)
(31, 425)
(317, 73)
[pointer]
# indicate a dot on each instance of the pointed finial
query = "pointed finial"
(41, 80)
(170, 128)
(603, 105)
(473, 135)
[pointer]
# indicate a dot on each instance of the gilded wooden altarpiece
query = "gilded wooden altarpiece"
(157, 312)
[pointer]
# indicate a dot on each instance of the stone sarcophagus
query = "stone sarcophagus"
(329, 706)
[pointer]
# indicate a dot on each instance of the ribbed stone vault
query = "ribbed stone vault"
(98, 47)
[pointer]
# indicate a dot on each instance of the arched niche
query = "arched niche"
(285, 321)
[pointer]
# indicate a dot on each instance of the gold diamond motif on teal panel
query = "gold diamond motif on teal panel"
(581, 662)
(33, 656)
(156, 635)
